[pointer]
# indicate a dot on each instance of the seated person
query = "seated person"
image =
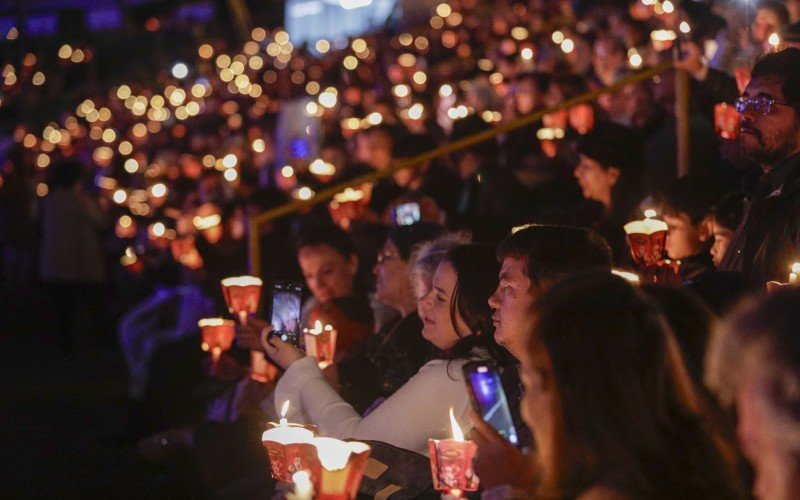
(457, 321)
(612, 407)
(754, 367)
(532, 260)
(724, 219)
(398, 350)
(329, 264)
(686, 205)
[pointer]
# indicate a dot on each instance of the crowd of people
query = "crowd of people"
(511, 251)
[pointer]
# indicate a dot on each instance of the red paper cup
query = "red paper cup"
(261, 370)
(217, 335)
(646, 239)
(242, 294)
(451, 465)
(581, 118)
(289, 449)
(340, 467)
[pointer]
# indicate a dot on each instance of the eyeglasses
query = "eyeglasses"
(760, 104)
(384, 256)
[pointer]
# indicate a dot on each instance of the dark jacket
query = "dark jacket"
(767, 241)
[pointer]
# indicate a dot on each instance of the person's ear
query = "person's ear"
(706, 232)
(613, 175)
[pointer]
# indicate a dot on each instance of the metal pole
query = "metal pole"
(682, 96)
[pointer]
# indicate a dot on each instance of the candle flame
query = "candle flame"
(774, 39)
(650, 213)
(796, 267)
(458, 436)
(284, 409)
(317, 328)
(301, 480)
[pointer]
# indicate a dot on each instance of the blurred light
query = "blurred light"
(205, 51)
(407, 60)
(77, 56)
(526, 54)
(415, 111)
(109, 135)
(328, 98)
(38, 78)
(303, 193)
(322, 46)
(312, 88)
(320, 167)
(125, 148)
(374, 118)
(568, 46)
(158, 229)
(443, 10)
(405, 39)
(65, 52)
(519, 33)
(180, 71)
(281, 37)
(558, 37)
(41, 188)
(485, 64)
(774, 40)
(401, 90)
(685, 28)
(350, 62)
(131, 166)
(223, 61)
(359, 45)
(259, 146)
(668, 7)
(354, 4)
(229, 160)
(287, 171)
(13, 33)
(42, 161)
(419, 77)
(123, 92)
(158, 190)
(119, 196)
(445, 90)
(125, 221)
(437, 22)
(312, 108)
(230, 174)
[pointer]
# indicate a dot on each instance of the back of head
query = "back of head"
(629, 412)
(785, 66)
(553, 251)
(693, 195)
(728, 211)
(66, 174)
(613, 145)
(759, 343)
(406, 238)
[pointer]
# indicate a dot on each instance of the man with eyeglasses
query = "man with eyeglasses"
(767, 241)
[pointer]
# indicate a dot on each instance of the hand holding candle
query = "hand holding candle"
(646, 239)
(288, 447)
(242, 294)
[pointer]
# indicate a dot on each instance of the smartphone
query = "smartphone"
(406, 214)
(286, 303)
(488, 398)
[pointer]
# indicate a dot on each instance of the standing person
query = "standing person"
(72, 262)
(767, 241)
(753, 364)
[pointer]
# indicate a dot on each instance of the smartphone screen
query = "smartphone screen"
(286, 311)
(489, 399)
(406, 214)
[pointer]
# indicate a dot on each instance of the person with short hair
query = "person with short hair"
(767, 241)
(753, 364)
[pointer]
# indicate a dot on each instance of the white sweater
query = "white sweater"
(419, 410)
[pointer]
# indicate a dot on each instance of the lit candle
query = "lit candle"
(646, 239)
(662, 39)
(289, 447)
(793, 274)
(242, 294)
(774, 41)
(341, 467)
(217, 336)
(284, 409)
(320, 343)
(451, 462)
(303, 489)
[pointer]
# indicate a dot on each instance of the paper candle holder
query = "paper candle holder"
(289, 448)
(321, 343)
(646, 239)
(451, 464)
(242, 294)
(340, 467)
(726, 121)
(216, 335)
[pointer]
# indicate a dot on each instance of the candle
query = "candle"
(242, 294)
(451, 462)
(284, 409)
(321, 343)
(793, 274)
(303, 489)
(289, 447)
(217, 336)
(646, 239)
(340, 468)
(662, 39)
(774, 42)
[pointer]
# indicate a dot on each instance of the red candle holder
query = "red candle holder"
(216, 336)
(321, 343)
(242, 294)
(339, 469)
(581, 118)
(289, 448)
(451, 465)
(646, 239)
(726, 121)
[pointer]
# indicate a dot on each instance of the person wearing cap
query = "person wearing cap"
(608, 173)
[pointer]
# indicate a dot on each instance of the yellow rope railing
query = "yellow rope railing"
(449, 148)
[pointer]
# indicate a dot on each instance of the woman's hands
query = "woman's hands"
(498, 462)
(255, 335)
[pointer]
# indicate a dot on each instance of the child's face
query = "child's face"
(722, 239)
(684, 239)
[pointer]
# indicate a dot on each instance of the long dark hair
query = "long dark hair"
(477, 272)
(629, 416)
